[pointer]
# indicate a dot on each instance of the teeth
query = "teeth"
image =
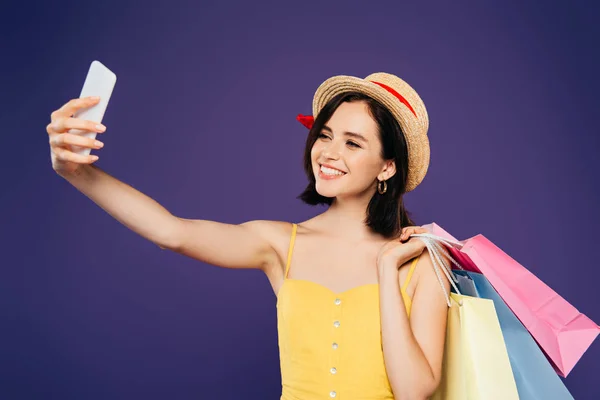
(330, 171)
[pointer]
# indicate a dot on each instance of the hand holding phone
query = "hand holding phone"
(73, 127)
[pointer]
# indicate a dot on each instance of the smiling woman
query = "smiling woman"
(343, 333)
(361, 314)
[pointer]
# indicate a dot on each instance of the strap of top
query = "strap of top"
(410, 273)
(291, 248)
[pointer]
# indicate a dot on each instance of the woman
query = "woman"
(361, 314)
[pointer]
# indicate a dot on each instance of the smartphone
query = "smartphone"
(100, 81)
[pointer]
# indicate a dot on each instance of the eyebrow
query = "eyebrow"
(351, 134)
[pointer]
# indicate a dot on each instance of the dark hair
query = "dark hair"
(385, 213)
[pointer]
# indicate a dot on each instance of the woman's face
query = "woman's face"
(346, 158)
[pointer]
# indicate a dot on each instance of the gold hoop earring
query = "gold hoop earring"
(379, 189)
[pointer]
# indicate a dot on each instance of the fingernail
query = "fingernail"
(94, 158)
(98, 143)
(100, 127)
(95, 97)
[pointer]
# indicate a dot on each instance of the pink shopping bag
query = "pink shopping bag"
(563, 333)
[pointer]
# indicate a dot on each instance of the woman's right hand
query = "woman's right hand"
(64, 160)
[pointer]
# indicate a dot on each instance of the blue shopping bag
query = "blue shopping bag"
(534, 375)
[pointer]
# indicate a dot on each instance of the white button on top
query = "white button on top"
(332, 394)
(338, 302)
(336, 324)
(333, 370)
(334, 345)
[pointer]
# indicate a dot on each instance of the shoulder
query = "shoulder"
(279, 231)
(276, 233)
(268, 227)
(276, 236)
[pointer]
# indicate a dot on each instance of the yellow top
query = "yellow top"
(330, 343)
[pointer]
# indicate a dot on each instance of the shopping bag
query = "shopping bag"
(475, 364)
(563, 333)
(534, 375)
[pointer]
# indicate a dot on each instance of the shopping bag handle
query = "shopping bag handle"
(449, 242)
(435, 246)
(435, 241)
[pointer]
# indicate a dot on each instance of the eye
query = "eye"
(322, 136)
(353, 144)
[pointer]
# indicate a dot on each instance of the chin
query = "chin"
(326, 189)
(327, 193)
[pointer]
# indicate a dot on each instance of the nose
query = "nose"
(331, 151)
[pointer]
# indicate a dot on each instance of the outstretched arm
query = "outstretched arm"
(225, 245)
(235, 246)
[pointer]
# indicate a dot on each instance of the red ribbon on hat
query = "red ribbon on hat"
(309, 120)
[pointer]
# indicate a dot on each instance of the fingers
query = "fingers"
(61, 125)
(72, 139)
(69, 108)
(61, 120)
(409, 230)
(63, 154)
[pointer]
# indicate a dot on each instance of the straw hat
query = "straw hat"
(400, 99)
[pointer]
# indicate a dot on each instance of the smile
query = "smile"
(330, 173)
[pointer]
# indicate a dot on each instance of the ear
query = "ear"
(388, 170)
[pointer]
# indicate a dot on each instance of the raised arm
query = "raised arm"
(246, 245)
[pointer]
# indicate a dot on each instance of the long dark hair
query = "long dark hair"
(386, 213)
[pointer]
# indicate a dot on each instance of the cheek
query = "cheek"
(364, 163)
(364, 166)
(315, 151)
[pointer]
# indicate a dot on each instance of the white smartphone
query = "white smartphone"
(100, 81)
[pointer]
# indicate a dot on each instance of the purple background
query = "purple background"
(202, 119)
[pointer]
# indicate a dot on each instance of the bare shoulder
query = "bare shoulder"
(277, 230)
(277, 234)
(272, 231)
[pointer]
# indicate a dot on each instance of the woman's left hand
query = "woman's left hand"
(396, 252)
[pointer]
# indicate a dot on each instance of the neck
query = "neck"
(346, 217)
